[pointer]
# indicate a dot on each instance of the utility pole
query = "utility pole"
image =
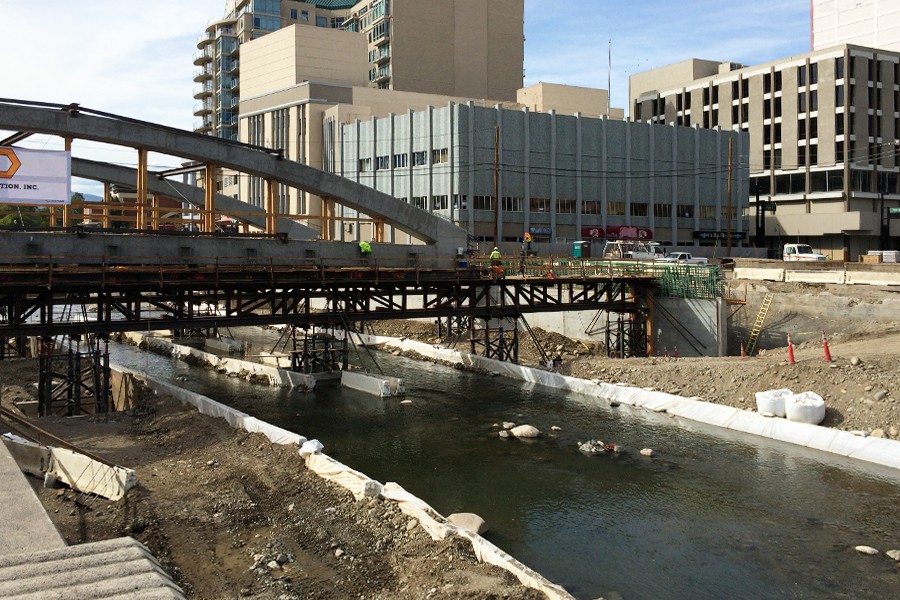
(496, 185)
(728, 209)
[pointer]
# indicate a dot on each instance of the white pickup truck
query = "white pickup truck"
(684, 258)
(801, 252)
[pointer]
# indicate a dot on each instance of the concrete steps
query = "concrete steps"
(122, 568)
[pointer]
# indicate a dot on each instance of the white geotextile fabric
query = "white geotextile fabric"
(359, 485)
(208, 406)
(439, 528)
(805, 407)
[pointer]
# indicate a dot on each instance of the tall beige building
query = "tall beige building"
(824, 131)
(872, 23)
(467, 48)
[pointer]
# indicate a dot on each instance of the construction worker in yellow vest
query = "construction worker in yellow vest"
(495, 256)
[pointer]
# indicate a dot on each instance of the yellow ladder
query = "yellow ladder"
(758, 324)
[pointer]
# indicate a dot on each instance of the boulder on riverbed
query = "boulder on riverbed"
(525, 431)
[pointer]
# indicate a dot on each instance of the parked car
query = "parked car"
(801, 252)
(684, 258)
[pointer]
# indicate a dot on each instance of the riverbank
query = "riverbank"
(230, 514)
(859, 386)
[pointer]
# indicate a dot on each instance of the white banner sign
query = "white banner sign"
(35, 176)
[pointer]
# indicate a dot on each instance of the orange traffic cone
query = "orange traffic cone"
(825, 346)
(743, 352)
(790, 351)
(676, 352)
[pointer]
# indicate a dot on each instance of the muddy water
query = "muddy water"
(712, 516)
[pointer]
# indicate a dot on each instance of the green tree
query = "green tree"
(25, 216)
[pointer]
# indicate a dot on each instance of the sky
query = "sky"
(136, 59)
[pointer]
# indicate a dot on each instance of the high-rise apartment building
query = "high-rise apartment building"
(871, 23)
(824, 131)
(468, 48)
(218, 73)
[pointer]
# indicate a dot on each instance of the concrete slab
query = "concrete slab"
(24, 524)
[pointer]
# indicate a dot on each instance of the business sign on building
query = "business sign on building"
(539, 230)
(719, 235)
(617, 232)
(35, 176)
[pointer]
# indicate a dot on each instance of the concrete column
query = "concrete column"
(553, 232)
(628, 175)
(470, 110)
(579, 184)
(604, 171)
(526, 166)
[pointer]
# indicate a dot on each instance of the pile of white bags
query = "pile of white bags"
(805, 407)
(772, 402)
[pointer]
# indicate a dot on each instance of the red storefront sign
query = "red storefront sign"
(617, 232)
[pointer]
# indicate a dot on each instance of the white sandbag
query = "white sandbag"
(772, 402)
(311, 447)
(805, 407)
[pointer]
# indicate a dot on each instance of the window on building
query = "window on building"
(590, 207)
(401, 160)
(745, 88)
(777, 139)
(813, 73)
(640, 209)
(419, 158)
(662, 211)
(420, 202)
(685, 211)
(801, 75)
(715, 94)
(767, 109)
(706, 96)
(801, 156)
(304, 16)
(801, 129)
(801, 102)
(483, 203)
(540, 205)
(687, 100)
(777, 81)
(439, 155)
(839, 95)
(707, 211)
(776, 158)
(813, 155)
(735, 89)
(511, 204)
(460, 202)
(382, 162)
(813, 100)
(767, 159)
(839, 124)
(734, 115)
(293, 14)
(321, 21)
(767, 135)
(337, 22)
(745, 112)
(565, 206)
(678, 103)
(615, 208)
(365, 164)
(777, 107)
(441, 202)
(839, 67)
(767, 83)
(813, 128)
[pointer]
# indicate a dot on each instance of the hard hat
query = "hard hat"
(496, 248)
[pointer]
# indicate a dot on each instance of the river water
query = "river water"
(714, 515)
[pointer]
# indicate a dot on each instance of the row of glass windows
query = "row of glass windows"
(569, 206)
(826, 181)
(418, 159)
(807, 100)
